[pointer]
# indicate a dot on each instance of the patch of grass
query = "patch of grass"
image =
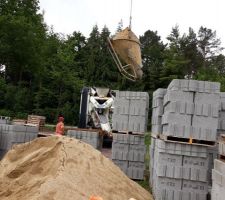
(145, 185)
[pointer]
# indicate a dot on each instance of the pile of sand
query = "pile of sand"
(57, 168)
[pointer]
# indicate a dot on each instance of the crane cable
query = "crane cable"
(131, 5)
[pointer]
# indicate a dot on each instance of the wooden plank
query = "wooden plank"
(190, 141)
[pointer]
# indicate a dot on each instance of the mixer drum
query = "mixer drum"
(125, 48)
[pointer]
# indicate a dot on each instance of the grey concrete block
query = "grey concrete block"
(194, 186)
(136, 156)
(196, 162)
(206, 122)
(138, 165)
(137, 148)
(120, 122)
(123, 165)
(120, 147)
(156, 120)
(158, 111)
(137, 124)
(136, 139)
(135, 173)
(205, 98)
(181, 149)
(222, 148)
(179, 107)
(219, 166)
(218, 178)
(159, 93)
(168, 183)
(174, 118)
(179, 84)
(218, 192)
(172, 96)
(206, 110)
(121, 106)
(158, 102)
(118, 155)
(156, 129)
(121, 138)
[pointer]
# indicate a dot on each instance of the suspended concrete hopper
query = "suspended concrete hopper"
(126, 52)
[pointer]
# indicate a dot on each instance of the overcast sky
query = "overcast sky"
(67, 16)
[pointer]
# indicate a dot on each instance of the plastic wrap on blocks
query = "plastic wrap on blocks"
(181, 149)
(172, 96)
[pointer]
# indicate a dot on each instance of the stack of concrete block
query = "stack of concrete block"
(218, 185)
(130, 111)
(182, 170)
(221, 124)
(4, 120)
(128, 153)
(191, 110)
(15, 134)
(179, 171)
(157, 111)
(91, 137)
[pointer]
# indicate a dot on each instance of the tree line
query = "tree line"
(43, 72)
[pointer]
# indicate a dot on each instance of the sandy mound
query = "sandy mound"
(57, 168)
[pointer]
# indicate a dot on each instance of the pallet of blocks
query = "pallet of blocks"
(91, 137)
(218, 173)
(184, 134)
(130, 112)
(15, 134)
(128, 153)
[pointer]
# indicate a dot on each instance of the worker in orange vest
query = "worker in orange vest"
(95, 198)
(59, 130)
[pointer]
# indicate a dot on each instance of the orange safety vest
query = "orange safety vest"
(59, 128)
(95, 198)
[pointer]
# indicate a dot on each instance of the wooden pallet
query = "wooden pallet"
(187, 140)
(127, 132)
(222, 157)
(36, 120)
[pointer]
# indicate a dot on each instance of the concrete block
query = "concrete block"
(137, 148)
(156, 120)
(178, 84)
(117, 155)
(196, 162)
(205, 98)
(159, 93)
(135, 173)
(137, 124)
(168, 183)
(206, 122)
(121, 138)
(122, 164)
(120, 122)
(156, 129)
(174, 118)
(194, 186)
(222, 148)
(158, 111)
(172, 96)
(218, 178)
(136, 139)
(218, 192)
(181, 149)
(179, 107)
(138, 165)
(136, 156)
(120, 147)
(219, 166)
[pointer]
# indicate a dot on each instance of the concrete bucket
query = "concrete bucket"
(125, 48)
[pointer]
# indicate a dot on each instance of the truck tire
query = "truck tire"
(83, 108)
